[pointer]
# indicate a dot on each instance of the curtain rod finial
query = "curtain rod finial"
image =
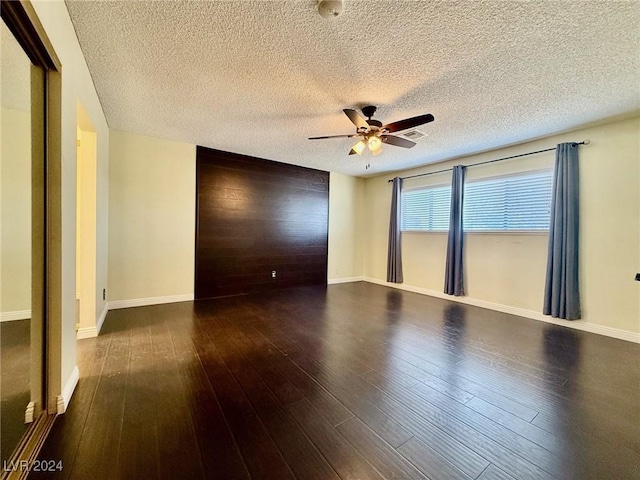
(586, 142)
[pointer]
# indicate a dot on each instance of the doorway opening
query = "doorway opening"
(86, 178)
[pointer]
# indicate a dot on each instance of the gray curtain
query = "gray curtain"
(394, 256)
(561, 292)
(453, 276)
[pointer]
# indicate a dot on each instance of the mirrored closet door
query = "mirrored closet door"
(22, 245)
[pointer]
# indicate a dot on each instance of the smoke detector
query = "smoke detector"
(330, 8)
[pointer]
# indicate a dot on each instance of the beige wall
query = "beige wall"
(15, 201)
(151, 217)
(94, 180)
(346, 203)
(77, 86)
(509, 269)
(86, 260)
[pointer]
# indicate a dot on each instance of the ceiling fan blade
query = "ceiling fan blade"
(397, 141)
(332, 136)
(352, 152)
(408, 123)
(355, 118)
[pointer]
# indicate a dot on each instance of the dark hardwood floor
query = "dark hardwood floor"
(15, 356)
(351, 381)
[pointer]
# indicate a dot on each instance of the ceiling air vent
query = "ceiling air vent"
(413, 134)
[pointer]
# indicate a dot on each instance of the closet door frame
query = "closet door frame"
(46, 333)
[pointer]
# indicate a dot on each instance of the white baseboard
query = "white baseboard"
(142, 302)
(521, 312)
(332, 281)
(29, 412)
(15, 315)
(101, 318)
(67, 391)
(86, 332)
(93, 331)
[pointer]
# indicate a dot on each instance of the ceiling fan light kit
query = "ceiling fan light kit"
(374, 143)
(372, 133)
(357, 148)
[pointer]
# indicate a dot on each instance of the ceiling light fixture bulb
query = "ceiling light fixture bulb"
(374, 143)
(329, 8)
(359, 147)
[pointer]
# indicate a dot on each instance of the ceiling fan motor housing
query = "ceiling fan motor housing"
(369, 111)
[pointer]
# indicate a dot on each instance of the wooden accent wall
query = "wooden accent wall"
(254, 217)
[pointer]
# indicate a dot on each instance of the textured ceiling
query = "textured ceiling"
(259, 77)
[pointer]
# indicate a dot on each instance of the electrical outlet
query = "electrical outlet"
(104, 294)
(273, 274)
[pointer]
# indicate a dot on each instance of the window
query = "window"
(426, 209)
(512, 203)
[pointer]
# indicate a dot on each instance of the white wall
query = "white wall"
(346, 204)
(151, 217)
(77, 86)
(509, 269)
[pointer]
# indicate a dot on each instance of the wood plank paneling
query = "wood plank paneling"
(256, 216)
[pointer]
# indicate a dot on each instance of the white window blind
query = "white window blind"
(426, 209)
(513, 203)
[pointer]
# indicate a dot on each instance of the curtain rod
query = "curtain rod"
(584, 142)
